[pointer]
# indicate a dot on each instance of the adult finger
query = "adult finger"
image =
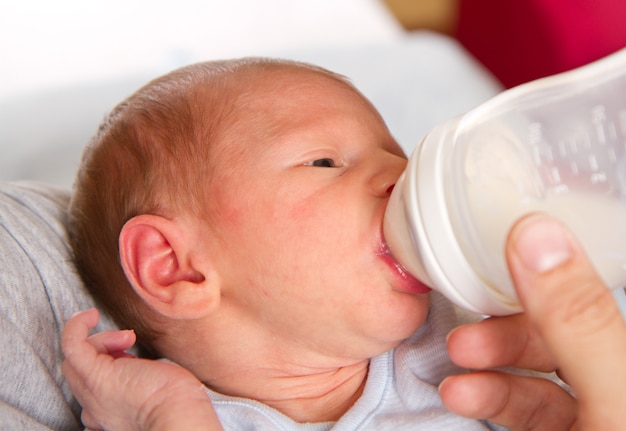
(513, 401)
(499, 342)
(575, 314)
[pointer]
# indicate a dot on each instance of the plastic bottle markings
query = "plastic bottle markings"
(592, 156)
(622, 122)
(598, 119)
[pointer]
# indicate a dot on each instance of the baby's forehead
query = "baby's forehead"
(260, 89)
(297, 90)
(292, 79)
(266, 92)
(255, 104)
(276, 95)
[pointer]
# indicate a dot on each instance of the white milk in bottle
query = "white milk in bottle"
(556, 145)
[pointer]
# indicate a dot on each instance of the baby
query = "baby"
(230, 213)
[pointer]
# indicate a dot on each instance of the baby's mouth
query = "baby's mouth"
(407, 282)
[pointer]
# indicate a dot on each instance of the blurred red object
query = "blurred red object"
(522, 40)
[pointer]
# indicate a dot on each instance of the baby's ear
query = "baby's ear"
(164, 263)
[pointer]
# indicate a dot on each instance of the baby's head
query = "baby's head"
(245, 193)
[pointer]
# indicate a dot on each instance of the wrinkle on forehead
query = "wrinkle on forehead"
(271, 97)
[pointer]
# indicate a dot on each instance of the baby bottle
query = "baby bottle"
(556, 145)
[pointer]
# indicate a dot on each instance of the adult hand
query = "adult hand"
(571, 324)
(120, 392)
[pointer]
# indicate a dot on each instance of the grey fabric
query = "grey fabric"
(39, 291)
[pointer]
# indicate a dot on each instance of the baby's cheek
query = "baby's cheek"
(308, 209)
(302, 211)
(238, 211)
(229, 215)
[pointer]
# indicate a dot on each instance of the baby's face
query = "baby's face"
(301, 192)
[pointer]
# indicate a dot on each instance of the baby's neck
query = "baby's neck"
(323, 397)
(297, 380)
(311, 396)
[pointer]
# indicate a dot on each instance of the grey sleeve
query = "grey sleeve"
(39, 291)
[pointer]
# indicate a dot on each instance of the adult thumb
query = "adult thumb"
(576, 315)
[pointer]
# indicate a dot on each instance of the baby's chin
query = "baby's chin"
(409, 316)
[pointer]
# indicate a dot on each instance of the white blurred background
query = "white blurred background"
(46, 43)
(66, 63)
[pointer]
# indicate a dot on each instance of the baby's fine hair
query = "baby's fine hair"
(152, 155)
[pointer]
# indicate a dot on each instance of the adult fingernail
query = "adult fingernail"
(542, 244)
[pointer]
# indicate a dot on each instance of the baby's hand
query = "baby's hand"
(120, 392)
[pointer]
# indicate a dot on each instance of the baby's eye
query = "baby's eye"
(322, 163)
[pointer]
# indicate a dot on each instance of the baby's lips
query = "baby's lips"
(408, 283)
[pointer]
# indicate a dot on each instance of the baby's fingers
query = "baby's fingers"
(75, 334)
(76, 339)
(113, 343)
(89, 421)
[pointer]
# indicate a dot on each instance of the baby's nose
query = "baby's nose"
(383, 183)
